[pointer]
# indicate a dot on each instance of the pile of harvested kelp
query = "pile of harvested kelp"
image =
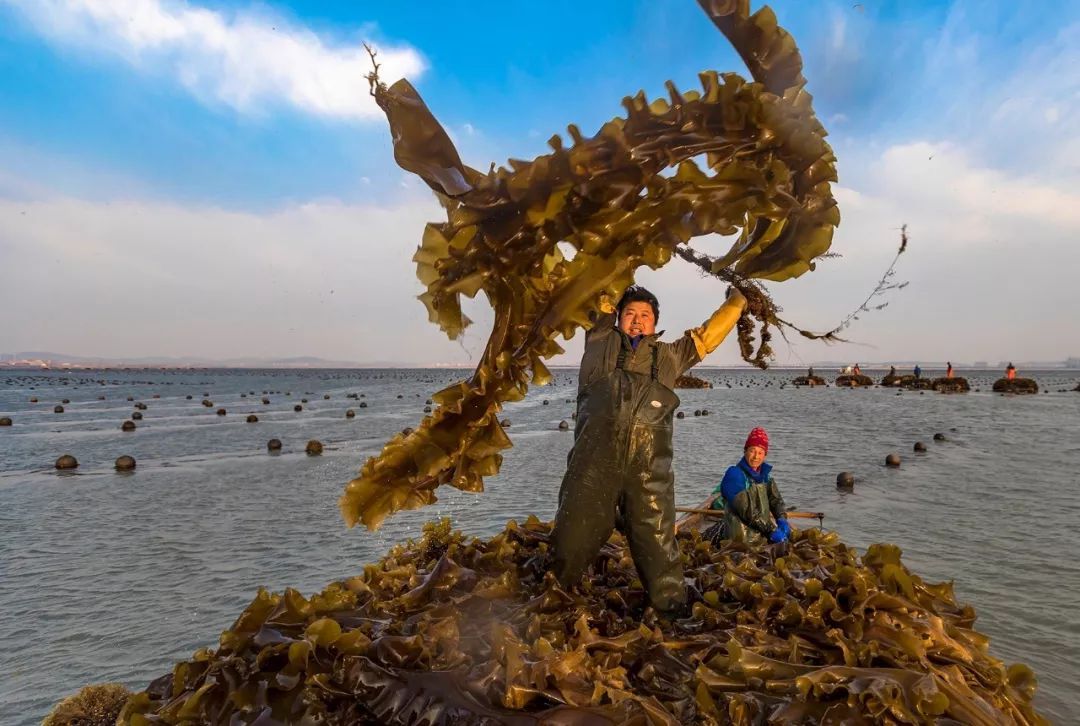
(1015, 385)
(688, 381)
(456, 630)
(853, 381)
(951, 385)
(809, 381)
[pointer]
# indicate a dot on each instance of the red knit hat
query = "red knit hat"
(758, 437)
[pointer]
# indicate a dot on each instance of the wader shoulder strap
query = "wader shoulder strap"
(621, 360)
(655, 361)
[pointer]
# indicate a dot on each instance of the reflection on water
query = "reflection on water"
(107, 576)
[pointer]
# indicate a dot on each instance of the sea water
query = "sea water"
(108, 576)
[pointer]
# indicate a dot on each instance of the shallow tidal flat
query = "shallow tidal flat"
(116, 576)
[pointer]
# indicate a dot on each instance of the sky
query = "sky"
(211, 178)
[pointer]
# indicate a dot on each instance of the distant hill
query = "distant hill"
(34, 359)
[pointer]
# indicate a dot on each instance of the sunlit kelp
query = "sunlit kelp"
(452, 630)
(97, 705)
(688, 381)
(749, 159)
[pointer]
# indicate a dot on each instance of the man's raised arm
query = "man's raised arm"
(707, 337)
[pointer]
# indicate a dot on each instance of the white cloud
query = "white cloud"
(131, 278)
(245, 61)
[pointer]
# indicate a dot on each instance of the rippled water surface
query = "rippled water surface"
(114, 577)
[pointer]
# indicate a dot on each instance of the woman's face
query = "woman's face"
(755, 455)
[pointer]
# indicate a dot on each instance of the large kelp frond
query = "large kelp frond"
(747, 159)
(452, 631)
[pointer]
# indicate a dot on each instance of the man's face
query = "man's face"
(637, 318)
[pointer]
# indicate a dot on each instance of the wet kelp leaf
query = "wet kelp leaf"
(450, 630)
(748, 158)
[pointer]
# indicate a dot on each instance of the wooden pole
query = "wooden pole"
(720, 513)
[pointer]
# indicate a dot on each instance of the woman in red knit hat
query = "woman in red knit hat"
(754, 509)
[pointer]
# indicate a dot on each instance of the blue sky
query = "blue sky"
(206, 124)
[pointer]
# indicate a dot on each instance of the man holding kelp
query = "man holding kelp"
(619, 471)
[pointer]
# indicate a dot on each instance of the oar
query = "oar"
(720, 513)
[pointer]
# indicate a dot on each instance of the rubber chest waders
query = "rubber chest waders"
(620, 471)
(737, 530)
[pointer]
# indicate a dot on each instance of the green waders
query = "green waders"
(619, 471)
(737, 530)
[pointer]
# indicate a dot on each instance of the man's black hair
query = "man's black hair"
(636, 293)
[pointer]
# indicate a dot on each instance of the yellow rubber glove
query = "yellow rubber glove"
(711, 334)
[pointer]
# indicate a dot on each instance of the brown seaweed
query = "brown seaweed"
(735, 158)
(455, 630)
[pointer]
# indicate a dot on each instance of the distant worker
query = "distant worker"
(810, 372)
(754, 511)
(856, 370)
(1010, 372)
(918, 371)
(892, 371)
(949, 370)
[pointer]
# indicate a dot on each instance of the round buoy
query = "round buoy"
(314, 447)
(400, 396)
(303, 400)
(545, 402)
(136, 416)
(505, 423)
(350, 413)
(892, 460)
(58, 409)
(939, 437)
(427, 409)
(252, 418)
(680, 414)
(67, 461)
(704, 412)
(101, 398)
(130, 398)
(920, 446)
(563, 426)
(363, 404)
(66, 400)
(125, 463)
(274, 445)
(188, 397)
(298, 408)
(221, 412)
(428, 402)
(326, 397)
(156, 395)
(697, 412)
(5, 420)
(266, 401)
(845, 480)
(407, 431)
(208, 403)
(127, 426)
